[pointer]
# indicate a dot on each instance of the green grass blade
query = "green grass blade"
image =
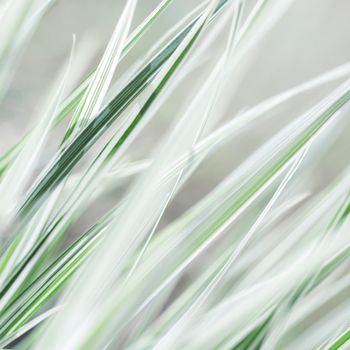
(74, 98)
(65, 161)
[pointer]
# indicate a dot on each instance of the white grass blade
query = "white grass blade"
(105, 275)
(19, 20)
(173, 245)
(30, 326)
(168, 340)
(275, 288)
(236, 125)
(266, 274)
(18, 176)
(92, 101)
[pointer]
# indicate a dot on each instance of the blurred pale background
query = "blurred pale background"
(312, 37)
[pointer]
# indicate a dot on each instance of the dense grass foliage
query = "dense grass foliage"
(258, 262)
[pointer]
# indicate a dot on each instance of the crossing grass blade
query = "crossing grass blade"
(75, 96)
(56, 275)
(259, 262)
(88, 136)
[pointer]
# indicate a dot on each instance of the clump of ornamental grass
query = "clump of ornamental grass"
(256, 263)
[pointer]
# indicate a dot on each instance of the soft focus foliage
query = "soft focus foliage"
(258, 260)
